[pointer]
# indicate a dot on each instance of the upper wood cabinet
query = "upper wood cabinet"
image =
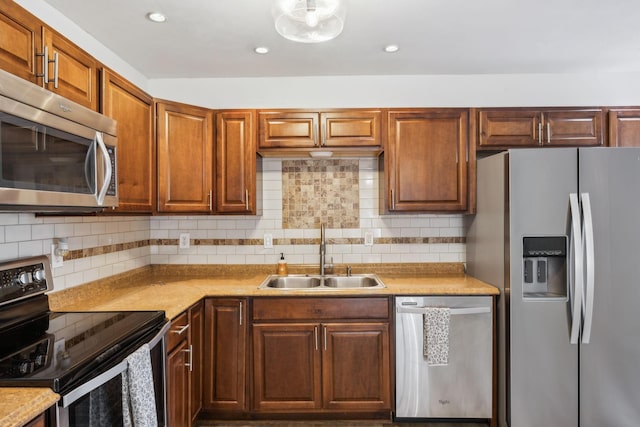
(235, 163)
(185, 158)
(133, 110)
(427, 161)
(624, 127)
(20, 41)
(502, 128)
(35, 52)
(294, 132)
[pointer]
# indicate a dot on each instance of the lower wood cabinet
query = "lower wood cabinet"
(225, 374)
(184, 367)
(321, 355)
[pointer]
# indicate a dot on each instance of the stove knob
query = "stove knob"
(39, 275)
(24, 278)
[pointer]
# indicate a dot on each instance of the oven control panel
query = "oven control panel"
(22, 278)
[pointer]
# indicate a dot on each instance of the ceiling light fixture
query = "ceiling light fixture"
(309, 21)
(261, 50)
(156, 17)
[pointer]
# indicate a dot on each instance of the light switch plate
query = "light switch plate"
(268, 241)
(185, 240)
(368, 238)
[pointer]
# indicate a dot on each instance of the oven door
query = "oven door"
(53, 162)
(98, 402)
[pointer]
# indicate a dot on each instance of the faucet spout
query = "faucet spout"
(323, 249)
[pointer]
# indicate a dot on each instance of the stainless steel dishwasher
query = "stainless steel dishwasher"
(459, 389)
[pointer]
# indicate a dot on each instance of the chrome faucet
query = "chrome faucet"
(323, 249)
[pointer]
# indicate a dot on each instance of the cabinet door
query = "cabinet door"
(573, 128)
(133, 109)
(225, 354)
(507, 128)
(20, 41)
(624, 127)
(77, 71)
(287, 129)
(185, 147)
(351, 128)
(356, 367)
(196, 335)
(286, 367)
(178, 386)
(235, 162)
(427, 160)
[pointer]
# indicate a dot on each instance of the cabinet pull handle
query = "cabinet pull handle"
(210, 200)
(315, 333)
(181, 330)
(393, 201)
(190, 351)
(45, 65)
(240, 313)
(325, 338)
(323, 137)
(246, 199)
(540, 133)
(548, 133)
(55, 70)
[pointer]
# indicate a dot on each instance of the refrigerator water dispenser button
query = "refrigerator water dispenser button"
(542, 271)
(528, 271)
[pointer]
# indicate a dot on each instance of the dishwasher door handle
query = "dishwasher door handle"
(453, 311)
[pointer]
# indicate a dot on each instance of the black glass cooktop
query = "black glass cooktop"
(58, 350)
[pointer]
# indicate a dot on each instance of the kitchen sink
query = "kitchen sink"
(329, 282)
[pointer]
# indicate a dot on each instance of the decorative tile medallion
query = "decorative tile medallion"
(320, 191)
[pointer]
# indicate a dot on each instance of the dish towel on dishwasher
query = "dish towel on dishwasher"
(435, 328)
(138, 396)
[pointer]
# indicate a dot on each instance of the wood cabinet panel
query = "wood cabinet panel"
(225, 355)
(20, 41)
(427, 160)
(504, 128)
(196, 339)
(288, 129)
(77, 71)
(352, 128)
(286, 367)
(185, 157)
(321, 308)
(178, 386)
(235, 162)
(133, 110)
(624, 127)
(356, 367)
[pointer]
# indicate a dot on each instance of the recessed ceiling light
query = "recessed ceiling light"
(262, 50)
(391, 48)
(156, 16)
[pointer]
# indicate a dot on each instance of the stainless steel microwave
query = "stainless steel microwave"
(55, 155)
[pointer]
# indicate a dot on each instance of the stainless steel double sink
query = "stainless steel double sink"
(317, 282)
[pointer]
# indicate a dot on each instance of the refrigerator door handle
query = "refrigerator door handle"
(589, 267)
(576, 278)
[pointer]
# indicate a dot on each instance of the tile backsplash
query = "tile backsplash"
(104, 246)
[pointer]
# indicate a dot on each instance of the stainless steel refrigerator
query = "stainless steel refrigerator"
(558, 231)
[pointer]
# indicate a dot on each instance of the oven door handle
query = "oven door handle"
(108, 375)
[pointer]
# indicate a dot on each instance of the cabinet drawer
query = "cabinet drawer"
(179, 331)
(318, 309)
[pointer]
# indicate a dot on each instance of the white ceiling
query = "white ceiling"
(216, 38)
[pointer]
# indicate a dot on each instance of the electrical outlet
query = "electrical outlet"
(185, 240)
(56, 260)
(268, 241)
(368, 238)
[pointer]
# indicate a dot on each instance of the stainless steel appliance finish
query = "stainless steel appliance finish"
(462, 388)
(55, 155)
(569, 344)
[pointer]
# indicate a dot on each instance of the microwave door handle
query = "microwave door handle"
(88, 167)
(108, 171)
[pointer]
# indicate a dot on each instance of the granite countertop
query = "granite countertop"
(20, 405)
(175, 288)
